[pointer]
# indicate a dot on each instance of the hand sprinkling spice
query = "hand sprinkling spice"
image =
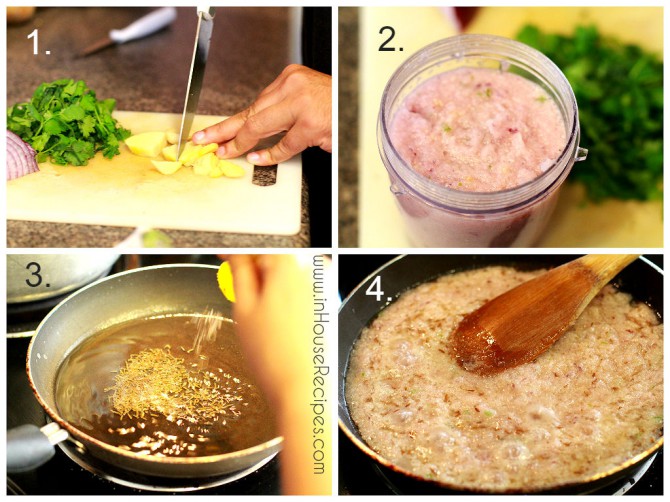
(273, 310)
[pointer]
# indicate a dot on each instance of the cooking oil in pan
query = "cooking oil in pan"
(168, 386)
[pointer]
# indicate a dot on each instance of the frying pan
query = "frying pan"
(32, 277)
(136, 294)
(642, 279)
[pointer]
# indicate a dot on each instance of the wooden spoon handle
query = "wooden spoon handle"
(596, 269)
(604, 268)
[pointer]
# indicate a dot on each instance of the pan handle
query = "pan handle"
(28, 446)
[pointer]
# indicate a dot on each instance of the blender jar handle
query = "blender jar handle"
(582, 153)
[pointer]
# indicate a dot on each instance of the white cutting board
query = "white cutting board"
(127, 191)
(613, 223)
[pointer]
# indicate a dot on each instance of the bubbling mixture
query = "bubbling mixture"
(478, 130)
(591, 402)
(166, 386)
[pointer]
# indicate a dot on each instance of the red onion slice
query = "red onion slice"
(20, 157)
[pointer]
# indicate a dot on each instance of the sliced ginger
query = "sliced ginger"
(166, 167)
(209, 148)
(172, 136)
(190, 153)
(170, 153)
(201, 157)
(203, 165)
(230, 169)
(215, 172)
(147, 144)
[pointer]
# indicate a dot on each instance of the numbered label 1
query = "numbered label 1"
(375, 289)
(35, 36)
(389, 32)
(35, 278)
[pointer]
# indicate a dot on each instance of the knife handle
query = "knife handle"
(145, 25)
(206, 10)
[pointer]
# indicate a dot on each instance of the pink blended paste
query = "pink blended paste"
(479, 130)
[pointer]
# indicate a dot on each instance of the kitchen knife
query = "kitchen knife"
(143, 27)
(200, 52)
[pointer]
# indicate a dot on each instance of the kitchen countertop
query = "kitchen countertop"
(348, 127)
(150, 75)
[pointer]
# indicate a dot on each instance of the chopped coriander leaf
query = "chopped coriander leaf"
(619, 91)
(66, 124)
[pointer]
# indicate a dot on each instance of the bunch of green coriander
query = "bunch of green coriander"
(619, 91)
(65, 123)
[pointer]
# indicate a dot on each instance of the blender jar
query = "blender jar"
(438, 216)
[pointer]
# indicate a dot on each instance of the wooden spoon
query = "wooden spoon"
(519, 325)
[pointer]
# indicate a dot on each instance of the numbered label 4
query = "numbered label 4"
(375, 289)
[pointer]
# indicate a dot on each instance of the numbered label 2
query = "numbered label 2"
(389, 32)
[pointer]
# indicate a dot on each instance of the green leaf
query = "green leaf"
(83, 147)
(108, 105)
(39, 142)
(619, 91)
(73, 112)
(55, 126)
(33, 112)
(66, 124)
(88, 103)
(87, 126)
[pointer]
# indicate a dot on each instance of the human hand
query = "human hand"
(299, 102)
(273, 295)
(274, 315)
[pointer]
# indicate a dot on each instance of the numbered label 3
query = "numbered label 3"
(35, 279)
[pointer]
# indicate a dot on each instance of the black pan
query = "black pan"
(642, 279)
(137, 294)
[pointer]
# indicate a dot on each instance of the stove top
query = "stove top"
(70, 473)
(23, 318)
(359, 475)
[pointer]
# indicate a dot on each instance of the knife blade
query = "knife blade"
(196, 74)
(144, 26)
